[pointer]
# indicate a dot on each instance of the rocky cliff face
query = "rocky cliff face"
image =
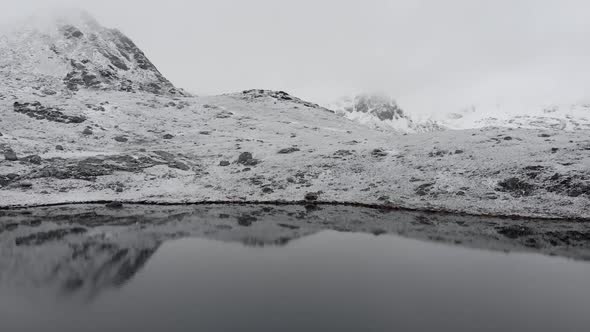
(66, 53)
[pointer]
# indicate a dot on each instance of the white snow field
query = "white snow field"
(84, 116)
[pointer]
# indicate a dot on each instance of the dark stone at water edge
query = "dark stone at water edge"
(114, 205)
(312, 196)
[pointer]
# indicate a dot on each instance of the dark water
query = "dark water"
(199, 274)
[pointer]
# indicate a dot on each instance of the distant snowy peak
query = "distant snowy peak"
(73, 51)
(381, 112)
(568, 117)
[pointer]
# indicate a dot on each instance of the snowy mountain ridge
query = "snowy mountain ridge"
(382, 112)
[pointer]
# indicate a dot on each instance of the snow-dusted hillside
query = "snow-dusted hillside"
(66, 141)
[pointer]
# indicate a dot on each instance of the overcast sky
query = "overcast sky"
(424, 52)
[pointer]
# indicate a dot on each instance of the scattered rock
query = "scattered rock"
(568, 185)
(87, 131)
(34, 159)
(516, 186)
(59, 147)
(12, 176)
(424, 189)
(343, 153)
(438, 153)
(179, 165)
(121, 139)
(224, 115)
(224, 163)
(289, 150)
(10, 155)
(168, 136)
(246, 159)
(25, 185)
(378, 153)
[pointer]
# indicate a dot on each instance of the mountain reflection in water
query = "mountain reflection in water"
(364, 268)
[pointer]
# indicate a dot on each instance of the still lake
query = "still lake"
(247, 268)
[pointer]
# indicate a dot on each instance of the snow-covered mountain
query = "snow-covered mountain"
(71, 130)
(379, 111)
(62, 53)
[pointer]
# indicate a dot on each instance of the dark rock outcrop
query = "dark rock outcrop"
(37, 111)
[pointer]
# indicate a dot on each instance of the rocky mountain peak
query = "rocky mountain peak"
(381, 111)
(381, 106)
(72, 51)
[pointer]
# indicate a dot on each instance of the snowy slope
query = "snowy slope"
(101, 142)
